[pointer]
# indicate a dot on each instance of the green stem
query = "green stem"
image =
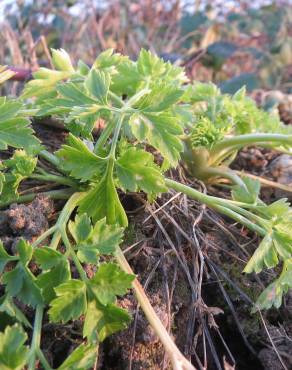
(249, 139)
(239, 218)
(49, 157)
(221, 205)
(43, 236)
(223, 172)
(69, 208)
(53, 194)
(55, 240)
(53, 178)
(116, 136)
(36, 337)
(64, 217)
(104, 136)
(72, 253)
(43, 360)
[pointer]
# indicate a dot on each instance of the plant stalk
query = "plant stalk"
(49, 157)
(223, 206)
(73, 255)
(36, 337)
(179, 362)
(249, 139)
(53, 178)
(64, 217)
(53, 194)
(223, 172)
(104, 136)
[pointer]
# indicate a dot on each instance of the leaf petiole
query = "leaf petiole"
(250, 139)
(71, 252)
(54, 178)
(36, 338)
(223, 206)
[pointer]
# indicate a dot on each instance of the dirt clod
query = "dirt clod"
(25, 220)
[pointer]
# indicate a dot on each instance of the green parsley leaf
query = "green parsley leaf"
(81, 228)
(74, 94)
(20, 282)
(105, 238)
(7, 306)
(10, 186)
(70, 303)
(273, 294)
(92, 242)
(45, 80)
(21, 163)
(4, 257)
(75, 153)
(137, 171)
(249, 194)
(150, 65)
(97, 84)
(110, 281)
(106, 202)
(61, 60)
(25, 251)
(161, 131)
(127, 78)
(102, 321)
(47, 257)
(108, 60)
(47, 281)
(14, 129)
(82, 358)
(265, 254)
(13, 352)
(59, 271)
(160, 98)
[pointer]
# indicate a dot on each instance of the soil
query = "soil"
(194, 283)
